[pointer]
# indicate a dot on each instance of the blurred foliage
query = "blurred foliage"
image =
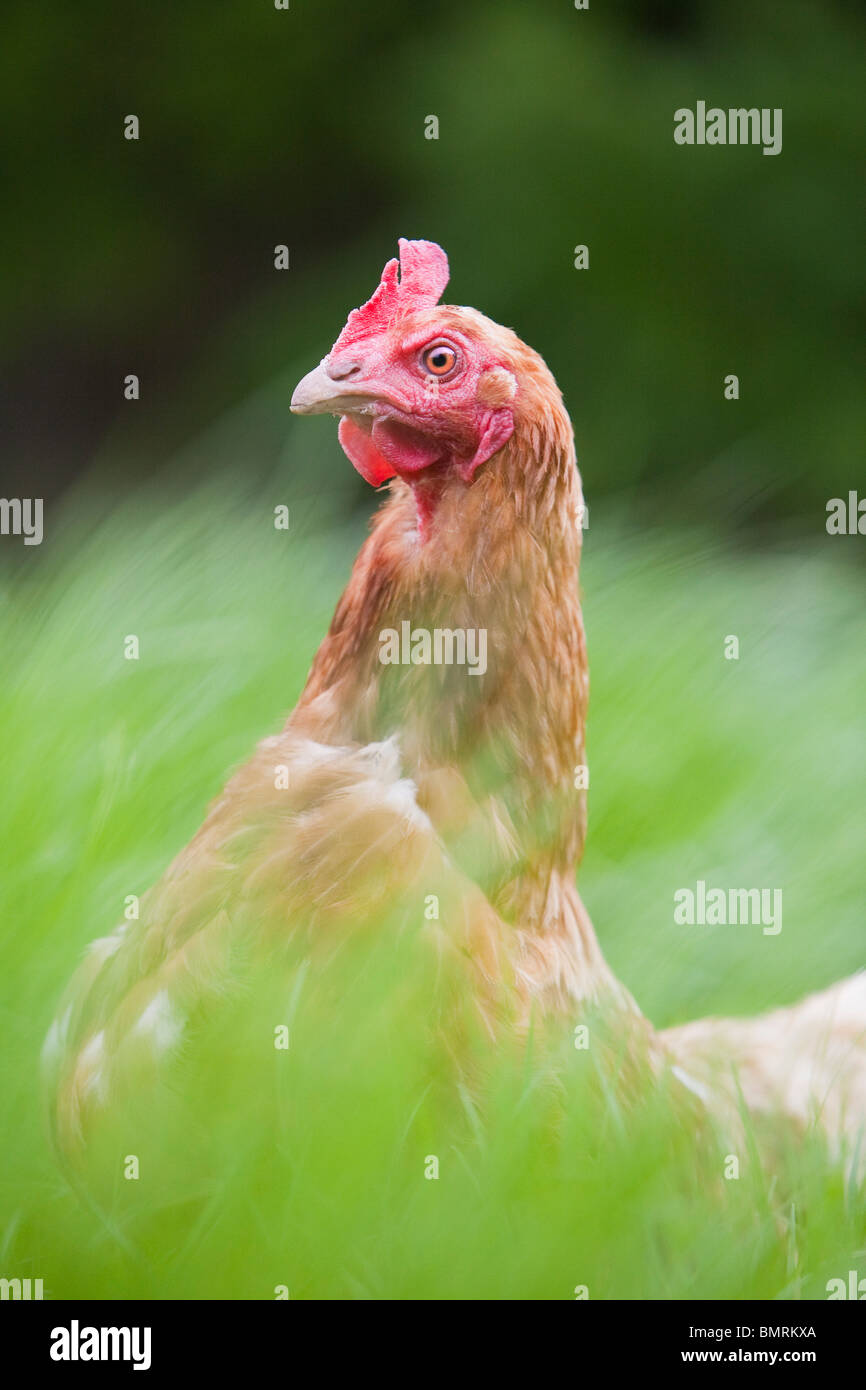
(306, 1167)
(306, 127)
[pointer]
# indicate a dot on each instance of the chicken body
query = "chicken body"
(390, 780)
(806, 1063)
(398, 780)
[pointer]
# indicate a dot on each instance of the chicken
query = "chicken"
(396, 771)
(398, 779)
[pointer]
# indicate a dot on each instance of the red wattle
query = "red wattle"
(408, 450)
(362, 453)
(391, 448)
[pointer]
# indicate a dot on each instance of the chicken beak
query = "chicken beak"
(322, 392)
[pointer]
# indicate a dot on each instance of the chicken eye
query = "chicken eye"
(440, 359)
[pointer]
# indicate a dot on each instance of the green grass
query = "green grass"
(744, 773)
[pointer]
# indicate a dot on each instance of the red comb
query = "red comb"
(423, 275)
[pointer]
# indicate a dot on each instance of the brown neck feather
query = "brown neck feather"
(501, 555)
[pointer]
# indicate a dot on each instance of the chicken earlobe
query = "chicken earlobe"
(497, 429)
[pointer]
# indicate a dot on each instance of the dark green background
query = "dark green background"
(306, 127)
